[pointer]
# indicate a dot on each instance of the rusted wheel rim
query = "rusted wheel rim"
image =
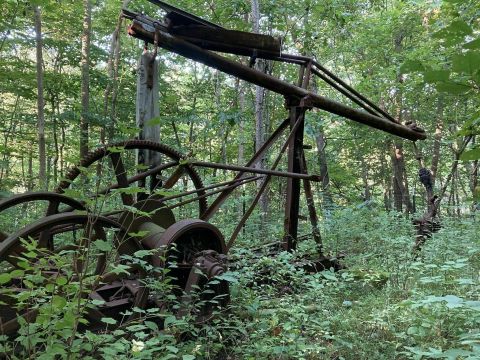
(54, 201)
(96, 228)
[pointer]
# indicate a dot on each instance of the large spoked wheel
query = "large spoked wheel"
(22, 209)
(88, 250)
(104, 174)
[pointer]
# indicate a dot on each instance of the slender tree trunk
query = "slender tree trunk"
(398, 162)
(474, 177)
(324, 176)
(110, 94)
(55, 140)
(62, 148)
(367, 193)
(400, 186)
(457, 196)
(437, 141)
(30, 184)
(259, 105)
(42, 157)
(85, 68)
(240, 85)
(223, 134)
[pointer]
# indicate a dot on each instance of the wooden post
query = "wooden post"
(147, 109)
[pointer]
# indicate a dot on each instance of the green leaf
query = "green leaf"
(456, 30)
(467, 63)
(453, 88)
(17, 273)
(188, 357)
(154, 121)
(474, 44)
(121, 269)
(5, 278)
(116, 149)
(329, 275)
(436, 75)
(411, 66)
(470, 155)
(109, 321)
(102, 245)
(172, 349)
(59, 302)
(62, 280)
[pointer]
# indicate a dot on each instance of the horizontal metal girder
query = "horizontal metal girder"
(229, 41)
(255, 170)
(196, 53)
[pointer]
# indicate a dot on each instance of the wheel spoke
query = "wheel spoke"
(121, 175)
(173, 179)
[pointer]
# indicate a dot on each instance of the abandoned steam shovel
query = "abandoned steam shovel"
(190, 248)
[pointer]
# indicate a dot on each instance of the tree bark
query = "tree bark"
(324, 176)
(259, 108)
(367, 193)
(474, 176)
(85, 68)
(400, 184)
(437, 141)
(110, 95)
(42, 157)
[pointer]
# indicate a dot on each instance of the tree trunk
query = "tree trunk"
(474, 178)
(85, 68)
(400, 185)
(110, 93)
(437, 141)
(366, 193)
(259, 108)
(42, 157)
(324, 176)
(30, 183)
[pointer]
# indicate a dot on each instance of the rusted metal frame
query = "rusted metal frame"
(132, 179)
(193, 18)
(230, 187)
(209, 187)
(191, 51)
(54, 201)
(244, 169)
(264, 184)
(121, 175)
(339, 81)
(292, 202)
(312, 212)
(229, 41)
(295, 150)
(344, 92)
(140, 176)
(213, 208)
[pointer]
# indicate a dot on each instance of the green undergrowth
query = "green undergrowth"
(386, 304)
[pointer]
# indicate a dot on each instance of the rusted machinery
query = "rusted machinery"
(104, 212)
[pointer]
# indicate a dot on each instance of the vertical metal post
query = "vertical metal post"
(295, 158)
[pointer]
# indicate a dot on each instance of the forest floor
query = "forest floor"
(385, 305)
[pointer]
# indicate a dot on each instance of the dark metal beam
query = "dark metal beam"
(255, 170)
(194, 52)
